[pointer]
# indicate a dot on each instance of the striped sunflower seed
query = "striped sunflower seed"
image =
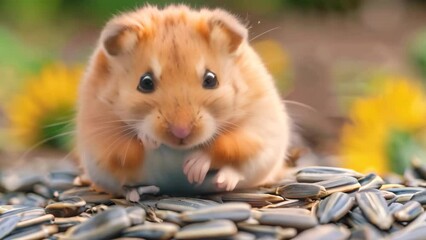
(334, 207)
(324, 232)
(370, 181)
(7, 225)
(152, 231)
(35, 232)
(316, 174)
(236, 212)
(415, 233)
(375, 208)
(68, 207)
(136, 215)
(394, 207)
(408, 212)
(169, 216)
(211, 229)
(340, 184)
(183, 204)
(264, 231)
(48, 218)
(420, 197)
(365, 232)
(100, 226)
(87, 194)
(288, 219)
(302, 190)
(254, 199)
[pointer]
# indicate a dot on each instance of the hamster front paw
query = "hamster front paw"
(149, 143)
(227, 178)
(196, 166)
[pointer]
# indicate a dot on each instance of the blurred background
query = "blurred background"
(352, 73)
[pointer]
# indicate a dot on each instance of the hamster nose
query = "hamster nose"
(180, 132)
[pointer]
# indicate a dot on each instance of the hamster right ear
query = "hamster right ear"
(120, 38)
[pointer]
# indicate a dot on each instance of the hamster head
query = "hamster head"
(170, 74)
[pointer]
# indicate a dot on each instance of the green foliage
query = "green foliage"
(417, 53)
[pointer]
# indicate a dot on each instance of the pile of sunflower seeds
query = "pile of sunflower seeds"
(319, 203)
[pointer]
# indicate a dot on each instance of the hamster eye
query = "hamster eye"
(210, 80)
(146, 83)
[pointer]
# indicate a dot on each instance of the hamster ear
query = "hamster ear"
(225, 29)
(120, 38)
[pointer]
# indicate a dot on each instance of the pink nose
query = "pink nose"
(180, 132)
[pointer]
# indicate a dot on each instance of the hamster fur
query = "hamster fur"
(207, 108)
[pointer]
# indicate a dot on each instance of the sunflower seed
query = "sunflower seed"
(254, 199)
(87, 194)
(416, 233)
(391, 186)
(419, 168)
(100, 225)
(236, 212)
(7, 225)
(210, 229)
(292, 203)
(334, 207)
(324, 232)
(24, 211)
(183, 204)
(169, 216)
(268, 231)
(370, 181)
(34, 221)
(61, 180)
(340, 184)
(408, 212)
(375, 208)
(35, 232)
(420, 197)
(301, 190)
(296, 210)
(387, 195)
(136, 214)
(288, 219)
(68, 207)
(393, 207)
(405, 190)
(365, 232)
(152, 231)
(316, 174)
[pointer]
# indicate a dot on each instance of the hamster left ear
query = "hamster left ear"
(120, 38)
(225, 29)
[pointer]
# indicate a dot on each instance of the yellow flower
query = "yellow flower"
(384, 128)
(45, 106)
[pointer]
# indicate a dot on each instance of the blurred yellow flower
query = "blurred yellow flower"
(45, 106)
(276, 61)
(385, 129)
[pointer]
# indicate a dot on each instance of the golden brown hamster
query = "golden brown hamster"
(172, 95)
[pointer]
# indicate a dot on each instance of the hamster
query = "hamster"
(177, 98)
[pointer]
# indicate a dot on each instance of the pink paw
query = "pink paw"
(227, 178)
(196, 166)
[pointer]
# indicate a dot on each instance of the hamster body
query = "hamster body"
(177, 98)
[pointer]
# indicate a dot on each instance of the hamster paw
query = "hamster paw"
(149, 143)
(196, 166)
(227, 178)
(133, 194)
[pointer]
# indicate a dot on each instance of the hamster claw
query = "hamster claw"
(227, 178)
(196, 167)
(133, 194)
